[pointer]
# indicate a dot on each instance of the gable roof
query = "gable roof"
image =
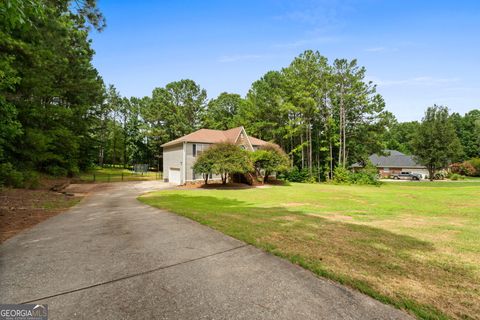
(393, 159)
(215, 136)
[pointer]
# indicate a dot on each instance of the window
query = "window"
(386, 169)
(198, 149)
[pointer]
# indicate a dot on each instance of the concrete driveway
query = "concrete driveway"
(112, 257)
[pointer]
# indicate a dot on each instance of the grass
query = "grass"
(117, 174)
(413, 245)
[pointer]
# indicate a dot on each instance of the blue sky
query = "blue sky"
(417, 52)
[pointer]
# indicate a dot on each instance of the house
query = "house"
(394, 162)
(180, 154)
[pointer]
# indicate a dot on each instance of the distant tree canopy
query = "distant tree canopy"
(435, 143)
(50, 93)
(58, 117)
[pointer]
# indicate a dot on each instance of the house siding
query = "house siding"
(172, 158)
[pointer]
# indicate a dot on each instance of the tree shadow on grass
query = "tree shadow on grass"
(335, 248)
(281, 218)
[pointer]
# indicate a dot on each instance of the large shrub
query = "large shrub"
(342, 175)
(9, 176)
(227, 159)
(475, 163)
(268, 159)
(297, 175)
(367, 175)
(463, 168)
(204, 164)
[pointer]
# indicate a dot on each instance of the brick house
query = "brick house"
(394, 162)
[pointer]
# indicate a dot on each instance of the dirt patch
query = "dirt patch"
(292, 204)
(216, 186)
(82, 189)
(21, 209)
(331, 216)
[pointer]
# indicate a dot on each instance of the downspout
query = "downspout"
(184, 169)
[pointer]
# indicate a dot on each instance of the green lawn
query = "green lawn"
(413, 245)
(117, 174)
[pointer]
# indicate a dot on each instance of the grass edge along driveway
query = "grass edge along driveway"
(411, 245)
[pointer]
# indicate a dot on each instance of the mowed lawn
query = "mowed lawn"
(117, 174)
(413, 245)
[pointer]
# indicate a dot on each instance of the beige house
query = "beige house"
(180, 154)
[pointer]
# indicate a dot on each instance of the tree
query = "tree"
(229, 159)
(268, 159)
(176, 110)
(468, 131)
(49, 87)
(204, 164)
(435, 143)
(222, 112)
(399, 135)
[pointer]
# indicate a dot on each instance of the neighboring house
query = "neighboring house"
(180, 154)
(394, 162)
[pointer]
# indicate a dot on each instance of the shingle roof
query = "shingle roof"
(213, 136)
(393, 159)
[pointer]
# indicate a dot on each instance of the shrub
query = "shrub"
(365, 178)
(297, 175)
(475, 163)
(204, 164)
(456, 176)
(464, 168)
(227, 159)
(9, 176)
(342, 175)
(56, 171)
(368, 175)
(269, 158)
(440, 175)
(31, 179)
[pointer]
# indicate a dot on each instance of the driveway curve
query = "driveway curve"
(112, 257)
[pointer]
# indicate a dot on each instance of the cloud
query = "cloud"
(241, 57)
(416, 81)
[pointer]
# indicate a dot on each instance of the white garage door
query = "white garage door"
(174, 175)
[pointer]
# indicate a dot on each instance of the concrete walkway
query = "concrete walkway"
(112, 257)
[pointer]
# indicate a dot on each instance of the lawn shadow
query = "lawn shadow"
(279, 218)
(374, 260)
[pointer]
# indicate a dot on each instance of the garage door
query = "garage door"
(174, 175)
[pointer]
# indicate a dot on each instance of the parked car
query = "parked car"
(407, 176)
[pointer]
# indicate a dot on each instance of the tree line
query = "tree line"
(58, 117)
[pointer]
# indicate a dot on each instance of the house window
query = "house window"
(198, 149)
(386, 169)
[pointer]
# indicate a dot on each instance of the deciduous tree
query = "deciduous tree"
(435, 143)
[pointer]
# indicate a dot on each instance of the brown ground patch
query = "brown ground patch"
(330, 216)
(214, 185)
(21, 209)
(292, 204)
